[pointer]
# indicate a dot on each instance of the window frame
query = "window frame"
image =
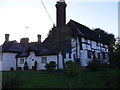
(22, 61)
(89, 54)
(98, 55)
(44, 60)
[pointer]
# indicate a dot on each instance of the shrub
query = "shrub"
(19, 68)
(94, 64)
(35, 63)
(25, 63)
(51, 65)
(34, 68)
(12, 69)
(25, 66)
(71, 68)
(97, 65)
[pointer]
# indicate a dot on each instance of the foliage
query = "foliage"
(35, 66)
(115, 55)
(25, 63)
(110, 39)
(19, 68)
(94, 64)
(97, 65)
(35, 63)
(25, 66)
(11, 68)
(51, 65)
(71, 68)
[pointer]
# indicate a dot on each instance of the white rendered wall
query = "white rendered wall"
(60, 59)
(0, 61)
(8, 61)
(32, 58)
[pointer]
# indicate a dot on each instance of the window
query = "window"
(103, 55)
(89, 54)
(69, 55)
(21, 60)
(106, 56)
(44, 60)
(98, 55)
(73, 42)
(91, 42)
(96, 43)
(86, 41)
(104, 46)
(93, 53)
(73, 56)
(32, 59)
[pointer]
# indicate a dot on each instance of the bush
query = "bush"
(35, 63)
(19, 68)
(94, 64)
(12, 69)
(51, 65)
(71, 68)
(34, 68)
(25, 66)
(97, 65)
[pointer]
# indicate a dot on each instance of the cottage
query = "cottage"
(71, 41)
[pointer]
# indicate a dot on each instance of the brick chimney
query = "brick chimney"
(39, 37)
(7, 37)
(24, 40)
(60, 13)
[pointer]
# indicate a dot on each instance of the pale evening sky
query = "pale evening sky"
(16, 15)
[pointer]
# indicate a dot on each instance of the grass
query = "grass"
(88, 79)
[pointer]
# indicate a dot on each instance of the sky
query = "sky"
(16, 15)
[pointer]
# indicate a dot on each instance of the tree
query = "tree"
(25, 66)
(71, 68)
(35, 66)
(110, 39)
(117, 52)
(51, 65)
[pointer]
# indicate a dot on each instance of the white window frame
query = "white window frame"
(22, 61)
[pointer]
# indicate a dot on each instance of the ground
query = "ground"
(88, 79)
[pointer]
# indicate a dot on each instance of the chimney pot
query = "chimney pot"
(24, 40)
(7, 37)
(39, 37)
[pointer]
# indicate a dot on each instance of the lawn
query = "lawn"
(88, 79)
